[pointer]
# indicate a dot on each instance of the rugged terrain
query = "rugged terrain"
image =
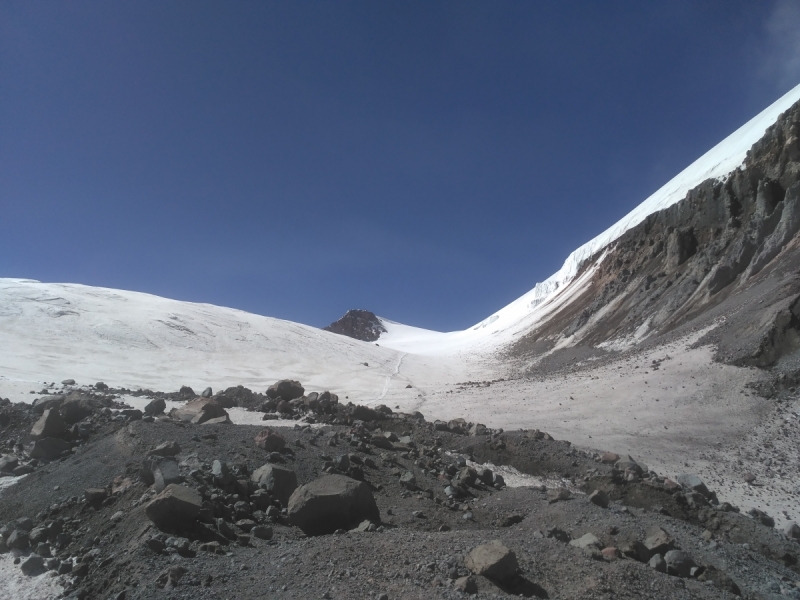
(91, 517)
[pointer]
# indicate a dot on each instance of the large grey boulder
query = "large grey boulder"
(77, 407)
(692, 482)
(49, 401)
(493, 560)
(199, 411)
(285, 389)
(280, 482)
(48, 448)
(174, 508)
(332, 502)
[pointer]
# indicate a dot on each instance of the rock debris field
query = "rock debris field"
(327, 499)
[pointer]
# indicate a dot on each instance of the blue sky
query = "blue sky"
(429, 161)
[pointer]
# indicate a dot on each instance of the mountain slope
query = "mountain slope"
(131, 339)
(572, 281)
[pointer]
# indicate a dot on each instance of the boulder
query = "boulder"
(48, 448)
(51, 401)
(262, 532)
(285, 389)
(219, 421)
(68, 382)
(77, 407)
(636, 550)
(600, 498)
(364, 413)
(609, 458)
(658, 541)
(176, 507)
(280, 482)
(761, 517)
(332, 502)
(221, 473)
(477, 429)
(33, 565)
(792, 531)
(95, 495)
(166, 472)
(658, 563)
(199, 411)
(207, 393)
(493, 560)
(588, 539)
(186, 393)
(692, 482)
(18, 539)
(270, 440)
(679, 563)
(155, 407)
(466, 585)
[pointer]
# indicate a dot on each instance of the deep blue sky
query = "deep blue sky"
(429, 161)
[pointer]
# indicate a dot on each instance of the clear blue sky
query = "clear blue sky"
(429, 161)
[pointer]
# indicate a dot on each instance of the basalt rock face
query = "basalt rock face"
(728, 249)
(359, 324)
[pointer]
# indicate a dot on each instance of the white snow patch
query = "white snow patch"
(13, 584)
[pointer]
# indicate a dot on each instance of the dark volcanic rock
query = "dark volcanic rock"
(176, 507)
(332, 502)
(49, 448)
(285, 389)
(280, 482)
(359, 324)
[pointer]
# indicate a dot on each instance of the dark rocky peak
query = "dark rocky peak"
(359, 324)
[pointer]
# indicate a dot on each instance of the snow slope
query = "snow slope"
(130, 339)
(511, 320)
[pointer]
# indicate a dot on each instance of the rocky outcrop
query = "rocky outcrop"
(727, 242)
(358, 324)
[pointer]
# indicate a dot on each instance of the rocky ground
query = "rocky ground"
(334, 500)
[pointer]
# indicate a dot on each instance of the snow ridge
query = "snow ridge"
(717, 163)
